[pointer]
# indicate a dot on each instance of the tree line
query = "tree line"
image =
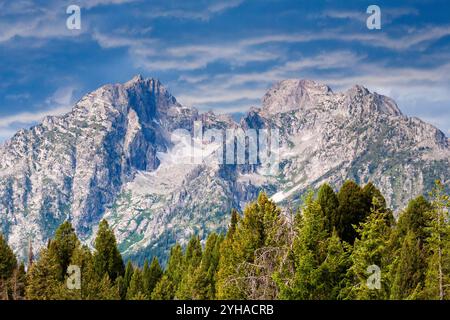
(344, 245)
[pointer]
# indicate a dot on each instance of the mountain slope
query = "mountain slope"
(117, 155)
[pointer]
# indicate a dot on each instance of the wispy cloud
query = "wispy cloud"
(58, 103)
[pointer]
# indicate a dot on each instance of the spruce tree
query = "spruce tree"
(309, 253)
(136, 289)
(437, 282)
(370, 251)
(353, 209)
(62, 247)
(168, 285)
(8, 261)
(107, 258)
(416, 218)
(165, 289)
(256, 230)
(126, 279)
(408, 269)
(43, 278)
(151, 276)
(8, 264)
(329, 203)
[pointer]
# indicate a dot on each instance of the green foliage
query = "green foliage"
(151, 276)
(43, 278)
(239, 267)
(328, 250)
(329, 203)
(107, 258)
(354, 207)
(8, 272)
(136, 289)
(8, 260)
(370, 249)
(62, 247)
(437, 279)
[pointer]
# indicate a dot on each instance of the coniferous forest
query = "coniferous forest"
(344, 245)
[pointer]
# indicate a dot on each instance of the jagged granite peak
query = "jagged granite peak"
(292, 94)
(302, 94)
(117, 155)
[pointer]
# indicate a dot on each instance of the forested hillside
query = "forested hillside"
(344, 245)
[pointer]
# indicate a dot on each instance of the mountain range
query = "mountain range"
(116, 156)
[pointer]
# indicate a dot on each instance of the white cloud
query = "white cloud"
(56, 104)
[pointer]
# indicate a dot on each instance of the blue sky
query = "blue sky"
(221, 55)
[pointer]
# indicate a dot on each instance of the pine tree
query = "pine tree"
(151, 276)
(329, 203)
(208, 269)
(309, 253)
(370, 192)
(93, 286)
(353, 209)
(437, 282)
(333, 269)
(370, 250)
(107, 258)
(8, 263)
(125, 280)
(165, 289)
(43, 278)
(136, 289)
(170, 281)
(239, 277)
(415, 218)
(62, 247)
(408, 269)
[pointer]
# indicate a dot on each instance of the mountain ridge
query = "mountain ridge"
(113, 156)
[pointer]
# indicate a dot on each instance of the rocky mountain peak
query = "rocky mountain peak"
(293, 94)
(112, 157)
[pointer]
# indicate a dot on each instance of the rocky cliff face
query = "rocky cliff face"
(118, 155)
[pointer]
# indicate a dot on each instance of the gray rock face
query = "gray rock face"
(117, 156)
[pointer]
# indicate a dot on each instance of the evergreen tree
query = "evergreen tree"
(93, 286)
(169, 283)
(124, 282)
(165, 289)
(199, 280)
(416, 218)
(408, 269)
(151, 276)
(136, 289)
(8, 263)
(437, 282)
(107, 258)
(370, 192)
(329, 203)
(43, 278)
(62, 247)
(309, 253)
(353, 209)
(208, 268)
(258, 229)
(370, 251)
